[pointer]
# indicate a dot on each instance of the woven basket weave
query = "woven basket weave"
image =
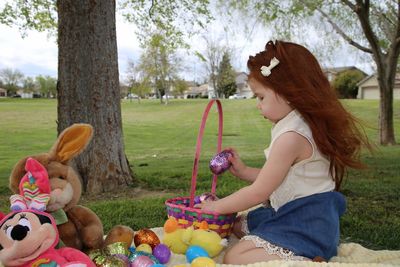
(182, 208)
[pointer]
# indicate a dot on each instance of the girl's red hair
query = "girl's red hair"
(300, 80)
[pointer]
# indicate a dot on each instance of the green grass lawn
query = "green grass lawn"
(160, 144)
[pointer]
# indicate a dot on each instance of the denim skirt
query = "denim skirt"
(308, 226)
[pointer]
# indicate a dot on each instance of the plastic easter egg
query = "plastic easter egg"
(146, 236)
(142, 261)
(162, 253)
(203, 262)
(197, 200)
(194, 252)
(134, 255)
(145, 247)
(123, 258)
(208, 197)
(157, 265)
(220, 163)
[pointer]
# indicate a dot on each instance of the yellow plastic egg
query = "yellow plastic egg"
(203, 262)
(144, 248)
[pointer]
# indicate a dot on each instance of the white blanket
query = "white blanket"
(349, 255)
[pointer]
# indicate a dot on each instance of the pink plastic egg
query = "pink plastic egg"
(142, 261)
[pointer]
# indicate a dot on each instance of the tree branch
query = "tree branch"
(342, 33)
(350, 4)
(362, 11)
(151, 9)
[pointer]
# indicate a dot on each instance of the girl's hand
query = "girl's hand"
(238, 167)
(207, 205)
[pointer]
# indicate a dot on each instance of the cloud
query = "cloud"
(36, 54)
(33, 55)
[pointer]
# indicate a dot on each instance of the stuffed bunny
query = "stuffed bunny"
(78, 226)
(29, 237)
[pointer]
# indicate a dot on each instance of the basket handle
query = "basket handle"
(198, 148)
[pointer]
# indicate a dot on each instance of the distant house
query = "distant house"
(3, 92)
(368, 88)
(243, 88)
(207, 91)
(23, 94)
(331, 73)
(194, 91)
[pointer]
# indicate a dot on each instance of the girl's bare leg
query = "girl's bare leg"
(246, 252)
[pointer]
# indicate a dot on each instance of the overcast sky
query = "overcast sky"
(36, 54)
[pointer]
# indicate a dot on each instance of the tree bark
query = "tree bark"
(386, 85)
(88, 90)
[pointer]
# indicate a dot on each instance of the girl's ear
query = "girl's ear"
(71, 142)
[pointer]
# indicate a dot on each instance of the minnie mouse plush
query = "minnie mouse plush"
(28, 239)
(28, 235)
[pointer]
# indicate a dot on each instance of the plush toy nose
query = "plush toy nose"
(19, 232)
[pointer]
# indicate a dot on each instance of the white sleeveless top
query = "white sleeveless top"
(307, 177)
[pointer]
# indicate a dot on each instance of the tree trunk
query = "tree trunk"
(386, 84)
(88, 90)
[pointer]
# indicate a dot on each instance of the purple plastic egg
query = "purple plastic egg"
(197, 200)
(162, 253)
(220, 163)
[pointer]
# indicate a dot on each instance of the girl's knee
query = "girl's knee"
(229, 257)
(235, 254)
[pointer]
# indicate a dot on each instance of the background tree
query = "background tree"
(226, 78)
(159, 65)
(28, 85)
(211, 58)
(136, 84)
(47, 85)
(88, 82)
(180, 86)
(141, 88)
(372, 27)
(12, 79)
(345, 83)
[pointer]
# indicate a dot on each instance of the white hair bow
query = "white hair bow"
(266, 70)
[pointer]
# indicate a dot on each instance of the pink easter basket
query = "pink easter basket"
(182, 208)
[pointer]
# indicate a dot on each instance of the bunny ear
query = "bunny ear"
(71, 142)
(36, 169)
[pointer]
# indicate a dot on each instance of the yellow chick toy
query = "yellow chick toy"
(173, 237)
(209, 240)
(178, 240)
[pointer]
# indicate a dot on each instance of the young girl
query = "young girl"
(314, 141)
